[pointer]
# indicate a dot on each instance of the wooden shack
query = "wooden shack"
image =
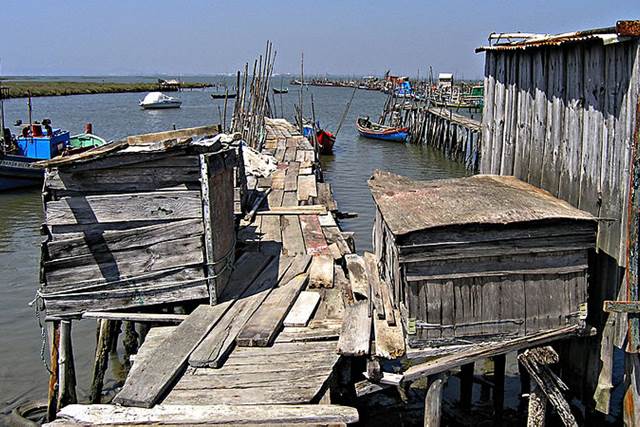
(478, 258)
(561, 112)
(142, 221)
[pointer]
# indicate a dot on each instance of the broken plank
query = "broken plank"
(303, 309)
(291, 178)
(357, 277)
(295, 210)
(136, 317)
(316, 330)
(162, 367)
(327, 220)
(321, 272)
(266, 322)
(390, 342)
(355, 336)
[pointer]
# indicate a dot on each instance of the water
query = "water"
(22, 375)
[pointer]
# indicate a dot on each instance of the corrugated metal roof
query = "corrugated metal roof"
(624, 30)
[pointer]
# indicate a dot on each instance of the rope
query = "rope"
(37, 305)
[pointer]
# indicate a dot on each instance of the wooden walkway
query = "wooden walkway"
(272, 338)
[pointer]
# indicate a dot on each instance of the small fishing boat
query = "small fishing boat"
(325, 141)
(158, 100)
(19, 156)
(85, 141)
(223, 95)
(276, 90)
(377, 131)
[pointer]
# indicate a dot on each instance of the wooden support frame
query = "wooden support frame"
(208, 231)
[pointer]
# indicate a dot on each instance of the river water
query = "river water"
(22, 374)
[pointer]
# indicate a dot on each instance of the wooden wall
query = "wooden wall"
(563, 118)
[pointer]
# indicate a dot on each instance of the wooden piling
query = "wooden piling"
(66, 368)
(54, 342)
(498, 388)
(537, 407)
(466, 385)
(433, 402)
(105, 333)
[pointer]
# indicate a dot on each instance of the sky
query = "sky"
(193, 37)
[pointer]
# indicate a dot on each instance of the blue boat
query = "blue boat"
(377, 131)
(18, 156)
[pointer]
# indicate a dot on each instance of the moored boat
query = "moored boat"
(84, 141)
(276, 90)
(371, 130)
(223, 95)
(326, 140)
(158, 100)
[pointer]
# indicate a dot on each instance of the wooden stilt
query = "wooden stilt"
(115, 333)
(498, 388)
(130, 339)
(54, 342)
(66, 368)
(525, 383)
(537, 407)
(433, 402)
(103, 347)
(374, 371)
(466, 385)
(143, 329)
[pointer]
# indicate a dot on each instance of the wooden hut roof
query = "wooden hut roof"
(147, 143)
(407, 205)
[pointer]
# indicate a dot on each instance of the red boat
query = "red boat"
(325, 141)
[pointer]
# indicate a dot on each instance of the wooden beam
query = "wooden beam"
(303, 309)
(209, 414)
(621, 306)
(136, 317)
(433, 403)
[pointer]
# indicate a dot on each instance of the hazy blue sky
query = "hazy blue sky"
(209, 37)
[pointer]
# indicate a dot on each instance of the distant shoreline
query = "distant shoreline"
(21, 89)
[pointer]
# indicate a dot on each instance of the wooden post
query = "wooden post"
(537, 407)
(66, 369)
(433, 402)
(466, 385)
(101, 359)
(374, 371)
(54, 342)
(130, 340)
(498, 388)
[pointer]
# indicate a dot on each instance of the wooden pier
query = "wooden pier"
(271, 338)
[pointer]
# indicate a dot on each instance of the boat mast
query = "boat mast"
(3, 144)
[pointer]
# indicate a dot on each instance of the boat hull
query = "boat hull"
(326, 140)
(19, 172)
(383, 133)
(161, 105)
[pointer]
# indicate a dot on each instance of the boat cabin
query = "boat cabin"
(39, 143)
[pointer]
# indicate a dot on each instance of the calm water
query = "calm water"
(22, 374)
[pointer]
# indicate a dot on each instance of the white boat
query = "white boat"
(155, 100)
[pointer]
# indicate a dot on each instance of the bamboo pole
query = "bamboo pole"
(66, 369)
(54, 343)
(101, 359)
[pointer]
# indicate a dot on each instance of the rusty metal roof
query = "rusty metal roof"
(623, 30)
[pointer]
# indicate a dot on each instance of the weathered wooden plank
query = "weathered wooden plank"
(162, 367)
(265, 323)
(95, 240)
(306, 187)
(136, 317)
(295, 210)
(373, 275)
(291, 178)
(314, 239)
(321, 272)
(358, 277)
(316, 330)
(208, 414)
(334, 235)
(302, 309)
(161, 205)
(355, 336)
(290, 198)
(218, 343)
(292, 239)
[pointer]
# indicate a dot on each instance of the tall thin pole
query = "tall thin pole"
(301, 95)
(30, 114)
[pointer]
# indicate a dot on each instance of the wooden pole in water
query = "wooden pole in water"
(301, 94)
(433, 402)
(224, 116)
(466, 385)
(54, 343)
(346, 110)
(101, 359)
(66, 368)
(498, 388)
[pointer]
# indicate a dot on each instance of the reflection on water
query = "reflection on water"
(114, 116)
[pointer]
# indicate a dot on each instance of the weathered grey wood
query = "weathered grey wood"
(355, 336)
(97, 239)
(291, 178)
(321, 272)
(264, 325)
(105, 331)
(292, 240)
(373, 276)
(209, 414)
(218, 343)
(302, 309)
(358, 277)
(484, 351)
(162, 367)
(390, 342)
(316, 330)
(294, 209)
(537, 408)
(127, 207)
(433, 403)
(66, 367)
(314, 240)
(136, 317)
(306, 187)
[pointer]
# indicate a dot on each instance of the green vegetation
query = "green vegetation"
(20, 89)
